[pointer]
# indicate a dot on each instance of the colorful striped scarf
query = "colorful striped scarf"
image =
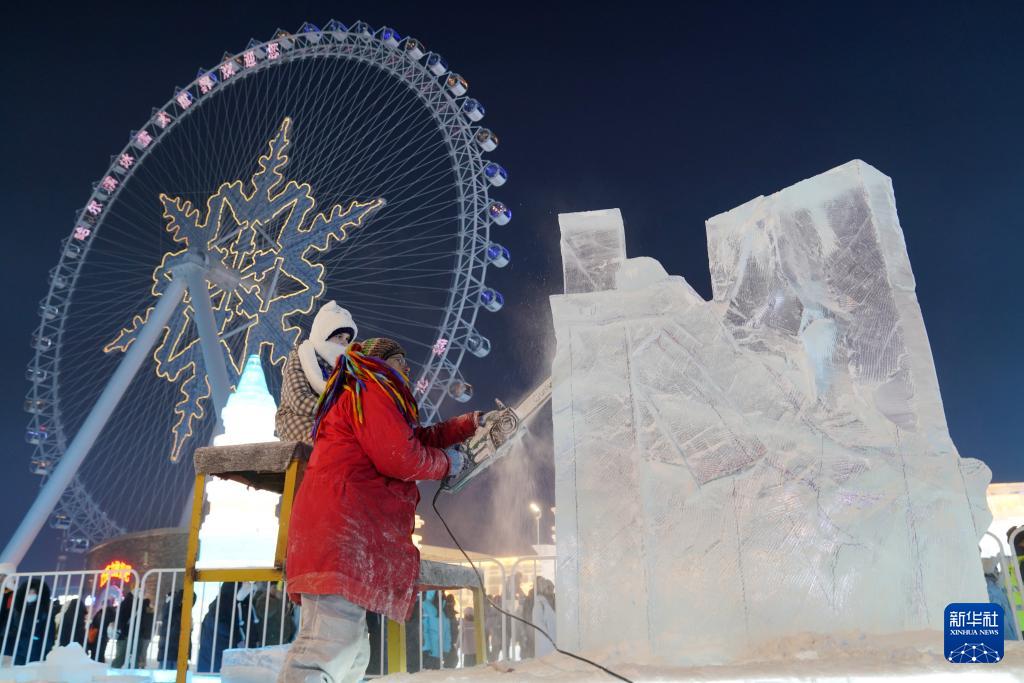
(353, 372)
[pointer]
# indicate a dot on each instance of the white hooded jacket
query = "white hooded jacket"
(303, 376)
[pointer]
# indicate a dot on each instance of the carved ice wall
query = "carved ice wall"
(772, 462)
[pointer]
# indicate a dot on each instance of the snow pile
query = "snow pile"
(770, 463)
(67, 664)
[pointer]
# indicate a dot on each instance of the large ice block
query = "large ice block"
(773, 462)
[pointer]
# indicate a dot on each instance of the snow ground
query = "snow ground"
(912, 657)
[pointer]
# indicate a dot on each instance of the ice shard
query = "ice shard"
(772, 462)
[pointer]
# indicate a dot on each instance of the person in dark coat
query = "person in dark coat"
(277, 607)
(103, 624)
(31, 633)
(145, 632)
(124, 618)
(170, 630)
(219, 630)
(451, 655)
(378, 644)
(72, 624)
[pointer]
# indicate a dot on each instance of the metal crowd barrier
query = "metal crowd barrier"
(134, 622)
(91, 608)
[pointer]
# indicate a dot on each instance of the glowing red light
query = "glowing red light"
(117, 569)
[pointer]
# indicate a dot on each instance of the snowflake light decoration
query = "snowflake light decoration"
(267, 232)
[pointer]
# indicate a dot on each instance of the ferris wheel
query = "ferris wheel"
(340, 163)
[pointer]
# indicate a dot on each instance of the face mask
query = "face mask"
(31, 598)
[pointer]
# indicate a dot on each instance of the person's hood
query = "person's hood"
(330, 318)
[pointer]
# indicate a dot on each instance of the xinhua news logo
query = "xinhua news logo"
(974, 633)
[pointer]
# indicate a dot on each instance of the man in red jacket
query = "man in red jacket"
(350, 543)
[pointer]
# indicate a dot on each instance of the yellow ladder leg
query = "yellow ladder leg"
(396, 647)
(185, 639)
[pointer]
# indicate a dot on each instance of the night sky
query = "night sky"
(671, 114)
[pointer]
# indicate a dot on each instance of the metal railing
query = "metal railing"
(133, 622)
(41, 610)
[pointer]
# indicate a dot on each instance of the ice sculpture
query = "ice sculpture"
(772, 462)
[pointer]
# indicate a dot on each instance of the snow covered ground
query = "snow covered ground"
(915, 656)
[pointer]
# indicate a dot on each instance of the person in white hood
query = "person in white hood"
(307, 368)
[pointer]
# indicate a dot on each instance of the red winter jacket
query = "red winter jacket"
(354, 514)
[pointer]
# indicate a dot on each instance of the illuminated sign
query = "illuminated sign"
(205, 84)
(267, 230)
(163, 119)
(249, 59)
(273, 50)
(184, 99)
(116, 570)
(143, 138)
(82, 232)
(125, 160)
(94, 207)
(440, 345)
(109, 184)
(227, 70)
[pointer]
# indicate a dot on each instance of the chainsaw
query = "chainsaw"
(495, 440)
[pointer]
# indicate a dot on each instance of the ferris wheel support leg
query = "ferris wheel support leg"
(87, 434)
(209, 339)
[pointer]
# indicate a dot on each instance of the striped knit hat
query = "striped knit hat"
(360, 366)
(382, 347)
